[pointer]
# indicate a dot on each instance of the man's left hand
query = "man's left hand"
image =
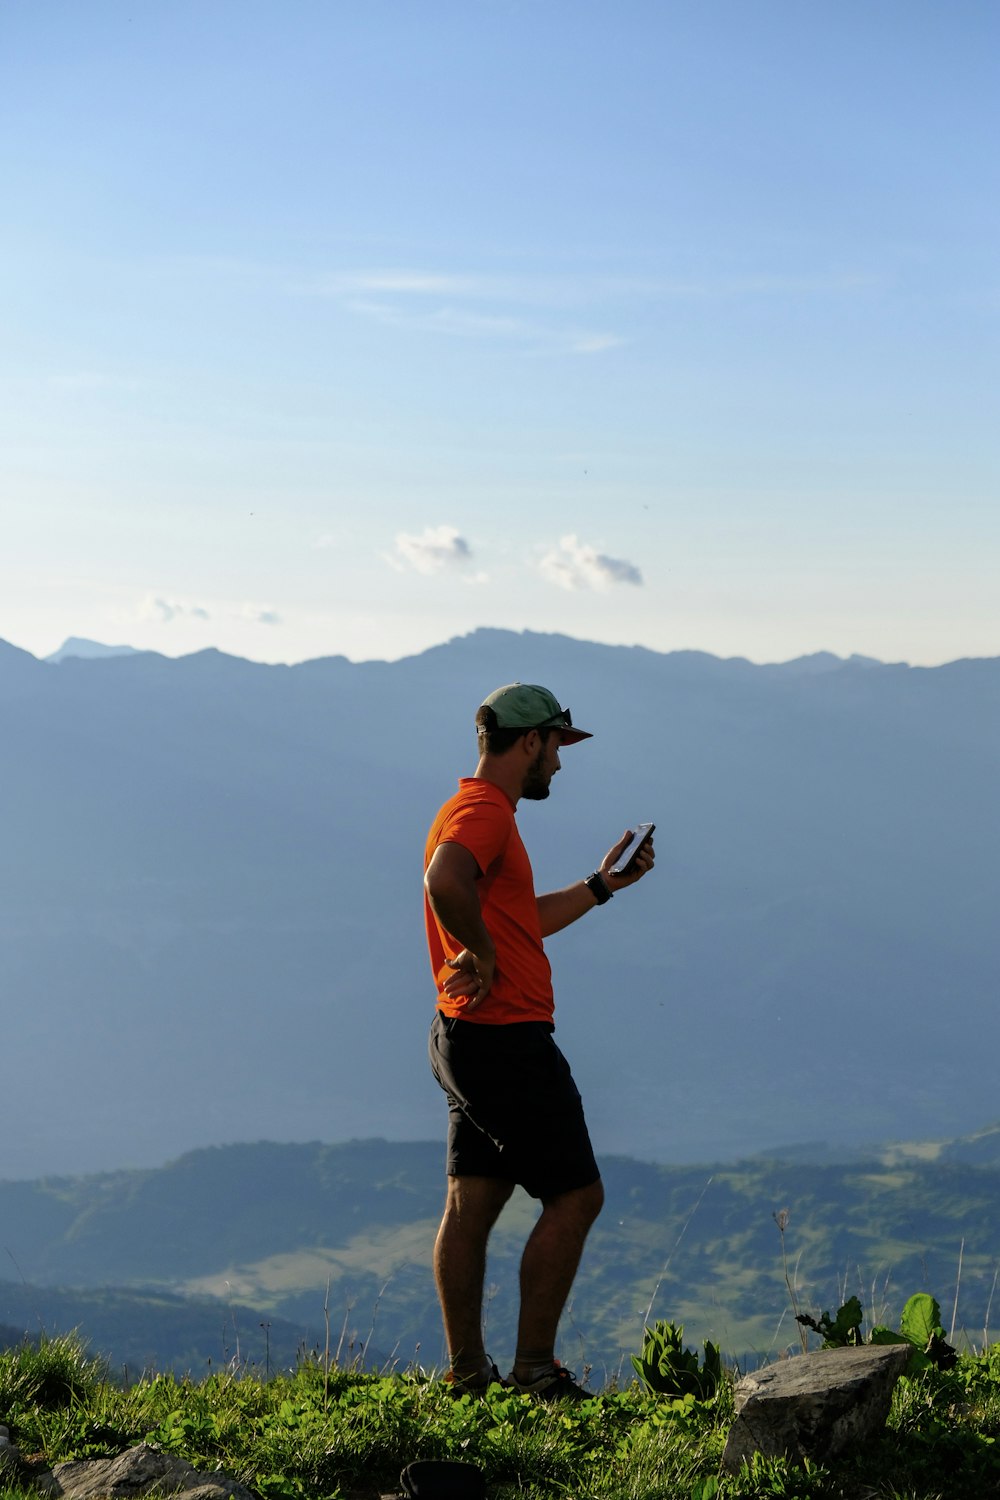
(642, 864)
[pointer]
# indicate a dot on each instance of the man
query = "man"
(515, 1114)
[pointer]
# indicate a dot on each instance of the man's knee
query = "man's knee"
(475, 1203)
(579, 1205)
(593, 1200)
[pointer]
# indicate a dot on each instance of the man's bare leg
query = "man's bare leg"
(548, 1265)
(471, 1209)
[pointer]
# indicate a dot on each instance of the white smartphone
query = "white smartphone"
(625, 860)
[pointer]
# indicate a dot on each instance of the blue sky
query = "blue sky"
(349, 327)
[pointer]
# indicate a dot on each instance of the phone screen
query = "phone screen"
(642, 833)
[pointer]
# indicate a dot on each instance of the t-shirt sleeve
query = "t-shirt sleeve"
(481, 827)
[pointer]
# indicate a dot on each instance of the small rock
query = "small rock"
(138, 1472)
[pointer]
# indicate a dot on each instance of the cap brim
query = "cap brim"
(574, 736)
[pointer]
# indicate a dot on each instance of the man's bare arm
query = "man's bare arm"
(450, 883)
(557, 909)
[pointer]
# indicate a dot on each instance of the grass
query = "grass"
(335, 1433)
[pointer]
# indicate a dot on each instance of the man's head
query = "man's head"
(511, 711)
(527, 719)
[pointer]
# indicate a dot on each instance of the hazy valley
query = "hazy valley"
(233, 1252)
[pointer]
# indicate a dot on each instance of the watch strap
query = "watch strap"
(598, 888)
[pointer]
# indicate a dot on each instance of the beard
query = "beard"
(536, 780)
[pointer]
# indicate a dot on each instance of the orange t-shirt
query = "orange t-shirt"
(480, 817)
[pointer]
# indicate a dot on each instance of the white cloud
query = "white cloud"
(458, 321)
(454, 321)
(574, 565)
(577, 289)
(417, 283)
(596, 343)
(522, 310)
(258, 616)
(155, 607)
(435, 548)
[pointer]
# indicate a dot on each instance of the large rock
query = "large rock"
(140, 1471)
(815, 1405)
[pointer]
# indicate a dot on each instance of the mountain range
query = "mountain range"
(210, 903)
(262, 1252)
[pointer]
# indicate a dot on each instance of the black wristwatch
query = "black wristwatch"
(598, 888)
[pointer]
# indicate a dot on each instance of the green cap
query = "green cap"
(525, 705)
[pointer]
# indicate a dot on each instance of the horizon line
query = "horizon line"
(122, 650)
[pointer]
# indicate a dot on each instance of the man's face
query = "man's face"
(542, 769)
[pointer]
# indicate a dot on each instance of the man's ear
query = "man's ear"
(531, 741)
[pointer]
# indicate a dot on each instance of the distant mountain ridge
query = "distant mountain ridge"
(210, 919)
(176, 1266)
(817, 661)
(77, 645)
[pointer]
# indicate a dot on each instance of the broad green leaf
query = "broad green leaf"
(921, 1320)
(848, 1320)
(882, 1335)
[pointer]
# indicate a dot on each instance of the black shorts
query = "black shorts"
(514, 1111)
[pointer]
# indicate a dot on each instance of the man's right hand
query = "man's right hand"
(471, 978)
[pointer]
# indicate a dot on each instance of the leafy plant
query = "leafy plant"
(841, 1332)
(185, 1431)
(920, 1326)
(667, 1367)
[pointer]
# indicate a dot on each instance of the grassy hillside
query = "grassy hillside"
(334, 1434)
(251, 1235)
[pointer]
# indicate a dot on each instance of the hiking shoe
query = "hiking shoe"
(557, 1384)
(477, 1385)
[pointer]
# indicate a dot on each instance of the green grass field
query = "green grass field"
(326, 1433)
